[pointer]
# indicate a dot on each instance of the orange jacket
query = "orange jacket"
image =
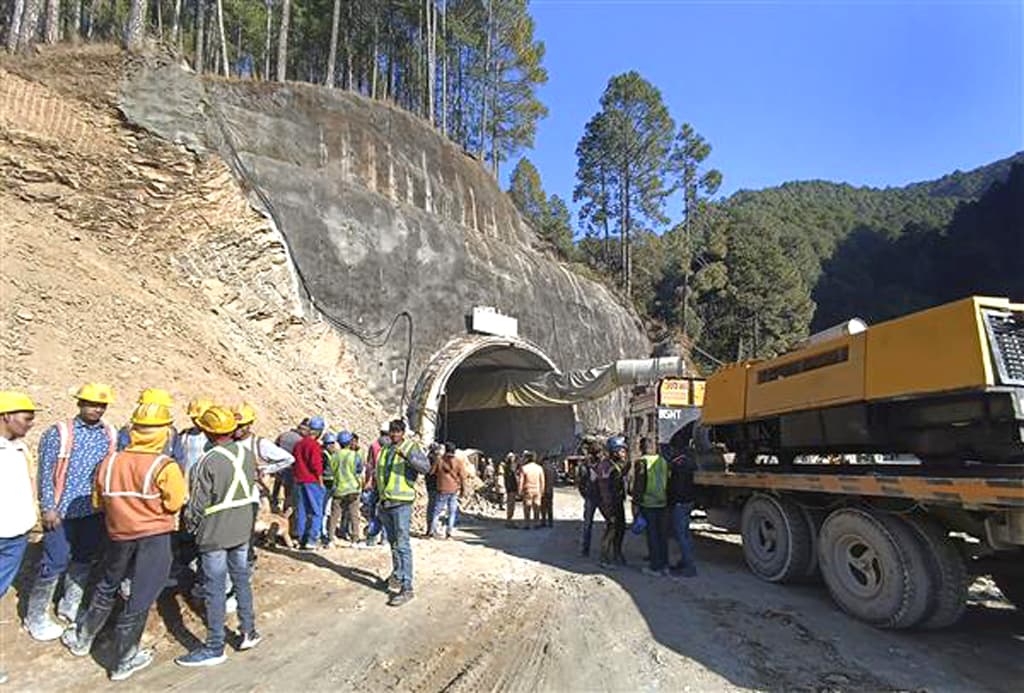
(139, 492)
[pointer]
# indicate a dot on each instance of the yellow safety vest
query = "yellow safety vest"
(657, 481)
(345, 481)
(240, 492)
(392, 484)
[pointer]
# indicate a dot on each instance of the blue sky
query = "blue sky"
(870, 93)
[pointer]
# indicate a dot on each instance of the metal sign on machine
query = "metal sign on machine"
(487, 320)
(680, 392)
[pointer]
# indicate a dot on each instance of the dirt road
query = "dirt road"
(505, 609)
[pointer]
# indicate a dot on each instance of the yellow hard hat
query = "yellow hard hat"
(152, 414)
(95, 392)
(245, 413)
(217, 420)
(156, 395)
(197, 406)
(15, 401)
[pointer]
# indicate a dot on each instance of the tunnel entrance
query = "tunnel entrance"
(473, 364)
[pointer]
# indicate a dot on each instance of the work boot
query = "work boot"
(391, 583)
(79, 638)
(75, 580)
(403, 597)
(127, 634)
(38, 622)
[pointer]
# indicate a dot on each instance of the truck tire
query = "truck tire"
(1012, 587)
(813, 517)
(948, 572)
(874, 567)
(777, 543)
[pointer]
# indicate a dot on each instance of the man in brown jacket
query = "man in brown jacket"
(451, 485)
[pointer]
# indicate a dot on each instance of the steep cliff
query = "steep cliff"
(383, 215)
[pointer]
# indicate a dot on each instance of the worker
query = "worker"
(270, 457)
(681, 497)
(69, 453)
(308, 493)
(430, 482)
(373, 455)
(378, 537)
(587, 487)
(397, 468)
(193, 440)
(155, 395)
(346, 466)
(509, 473)
(610, 479)
(284, 479)
(139, 490)
(531, 488)
(17, 506)
(547, 501)
(329, 446)
(451, 486)
(220, 512)
(649, 492)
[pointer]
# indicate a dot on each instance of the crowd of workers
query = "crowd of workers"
(150, 506)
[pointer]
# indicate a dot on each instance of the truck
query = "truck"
(886, 461)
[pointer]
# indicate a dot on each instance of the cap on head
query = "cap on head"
(317, 423)
(156, 395)
(197, 406)
(245, 414)
(385, 427)
(329, 438)
(616, 443)
(152, 414)
(344, 438)
(98, 393)
(11, 402)
(449, 448)
(217, 420)
(396, 426)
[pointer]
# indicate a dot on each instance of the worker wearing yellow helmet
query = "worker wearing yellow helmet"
(139, 489)
(193, 442)
(220, 513)
(270, 457)
(17, 506)
(159, 397)
(69, 453)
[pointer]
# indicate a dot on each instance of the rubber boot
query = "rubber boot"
(74, 589)
(37, 617)
(79, 638)
(129, 657)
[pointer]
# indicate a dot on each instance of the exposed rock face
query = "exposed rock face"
(384, 215)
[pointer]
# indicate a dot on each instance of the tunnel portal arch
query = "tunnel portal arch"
(465, 361)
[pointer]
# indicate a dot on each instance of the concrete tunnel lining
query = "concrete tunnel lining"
(463, 361)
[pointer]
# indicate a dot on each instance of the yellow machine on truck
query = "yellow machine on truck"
(889, 460)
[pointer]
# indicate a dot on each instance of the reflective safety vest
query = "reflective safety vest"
(240, 492)
(392, 481)
(132, 503)
(345, 480)
(66, 435)
(657, 481)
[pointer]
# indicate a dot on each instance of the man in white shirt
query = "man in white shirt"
(17, 506)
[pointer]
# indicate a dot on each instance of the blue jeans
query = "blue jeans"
(217, 565)
(589, 508)
(12, 550)
(681, 530)
(396, 520)
(309, 512)
(446, 502)
(657, 540)
(76, 540)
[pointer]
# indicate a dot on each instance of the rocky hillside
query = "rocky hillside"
(134, 261)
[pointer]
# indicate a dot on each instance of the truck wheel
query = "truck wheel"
(777, 542)
(948, 573)
(1012, 587)
(813, 518)
(874, 567)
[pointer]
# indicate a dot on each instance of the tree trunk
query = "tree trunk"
(75, 22)
(14, 26)
(223, 39)
(135, 29)
(349, 39)
(267, 45)
(29, 24)
(94, 7)
(484, 86)
(444, 68)
(332, 54)
(176, 25)
(159, 19)
(376, 59)
(200, 37)
(52, 21)
(282, 41)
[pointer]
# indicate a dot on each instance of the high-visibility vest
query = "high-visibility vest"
(345, 480)
(240, 492)
(392, 483)
(132, 503)
(657, 481)
(66, 436)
